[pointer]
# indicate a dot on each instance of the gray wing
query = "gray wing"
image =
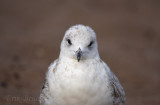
(45, 94)
(116, 88)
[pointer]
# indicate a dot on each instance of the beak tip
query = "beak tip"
(78, 58)
(79, 54)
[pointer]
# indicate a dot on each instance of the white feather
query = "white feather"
(87, 82)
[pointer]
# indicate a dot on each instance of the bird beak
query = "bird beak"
(79, 54)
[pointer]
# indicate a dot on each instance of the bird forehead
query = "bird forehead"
(79, 34)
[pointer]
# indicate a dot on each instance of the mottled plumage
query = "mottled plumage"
(79, 76)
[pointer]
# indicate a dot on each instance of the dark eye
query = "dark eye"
(90, 44)
(69, 41)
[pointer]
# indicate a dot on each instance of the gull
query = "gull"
(79, 76)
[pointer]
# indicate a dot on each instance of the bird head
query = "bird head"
(79, 43)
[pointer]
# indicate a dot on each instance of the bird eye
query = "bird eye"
(90, 44)
(69, 41)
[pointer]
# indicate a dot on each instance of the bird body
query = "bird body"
(80, 77)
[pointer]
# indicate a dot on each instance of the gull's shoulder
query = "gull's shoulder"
(45, 93)
(117, 93)
(52, 66)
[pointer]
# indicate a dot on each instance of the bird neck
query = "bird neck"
(74, 60)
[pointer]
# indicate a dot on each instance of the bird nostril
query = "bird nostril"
(79, 50)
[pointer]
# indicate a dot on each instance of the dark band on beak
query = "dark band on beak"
(79, 54)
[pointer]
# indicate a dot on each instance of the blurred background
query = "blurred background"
(31, 31)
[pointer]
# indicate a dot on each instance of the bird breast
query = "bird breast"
(81, 84)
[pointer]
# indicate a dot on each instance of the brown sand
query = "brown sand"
(31, 31)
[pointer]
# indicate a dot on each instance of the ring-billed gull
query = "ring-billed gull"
(79, 76)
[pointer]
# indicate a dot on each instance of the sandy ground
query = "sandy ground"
(128, 35)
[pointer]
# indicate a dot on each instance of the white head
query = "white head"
(79, 43)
